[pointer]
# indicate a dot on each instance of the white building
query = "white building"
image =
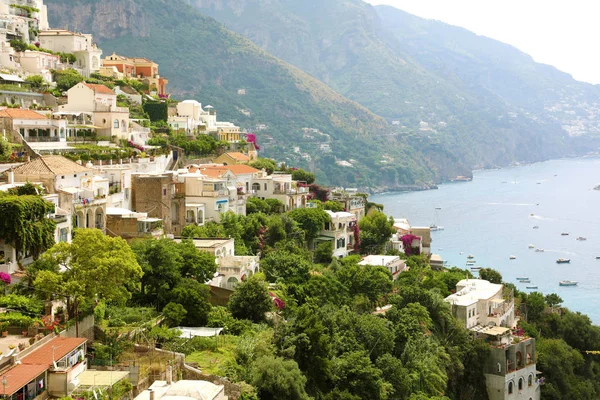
(280, 187)
(393, 263)
(80, 45)
(183, 390)
(232, 270)
(218, 247)
(340, 232)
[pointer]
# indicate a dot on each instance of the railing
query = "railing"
(41, 139)
(103, 108)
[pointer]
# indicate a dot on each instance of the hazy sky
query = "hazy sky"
(557, 32)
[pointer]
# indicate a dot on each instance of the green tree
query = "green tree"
(96, 266)
(193, 296)
(324, 252)
(303, 176)
(264, 163)
(490, 275)
(174, 314)
(66, 79)
(199, 265)
(256, 205)
(354, 372)
(553, 299)
(286, 263)
(536, 304)
(375, 231)
(251, 300)
(278, 379)
(334, 206)
(5, 149)
(310, 220)
(36, 81)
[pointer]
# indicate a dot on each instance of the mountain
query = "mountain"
(483, 101)
(309, 124)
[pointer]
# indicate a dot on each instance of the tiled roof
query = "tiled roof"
(54, 350)
(17, 113)
(19, 376)
(99, 88)
(56, 165)
(238, 169)
(236, 155)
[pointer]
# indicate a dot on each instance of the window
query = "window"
(116, 124)
(520, 383)
(530, 380)
(64, 235)
(256, 187)
(164, 191)
(75, 176)
(510, 387)
(265, 187)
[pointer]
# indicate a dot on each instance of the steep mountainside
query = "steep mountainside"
(362, 52)
(309, 124)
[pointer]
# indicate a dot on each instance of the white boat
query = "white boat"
(470, 256)
(475, 268)
(563, 261)
(525, 281)
(522, 278)
(539, 250)
(568, 283)
(581, 238)
(531, 246)
(536, 227)
(513, 257)
(436, 226)
(597, 257)
(564, 234)
(531, 287)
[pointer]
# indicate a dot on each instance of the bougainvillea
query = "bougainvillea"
(356, 231)
(407, 241)
(5, 278)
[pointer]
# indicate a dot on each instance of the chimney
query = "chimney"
(151, 393)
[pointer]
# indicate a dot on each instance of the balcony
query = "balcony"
(104, 108)
(42, 139)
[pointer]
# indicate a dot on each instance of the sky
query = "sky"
(556, 32)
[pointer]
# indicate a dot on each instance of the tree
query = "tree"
(287, 264)
(5, 149)
(278, 379)
(264, 163)
(536, 304)
(354, 372)
(334, 206)
(66, 79)
(174, 313)
(36, 81)
(553, 300)
(251, 300)
(96, 267)
(199, 265)
(256, 205)
(303, 176)
(324, 252)
(375, 231)
(25, 224)
(490, 275)
(310, 220)
(193, 296)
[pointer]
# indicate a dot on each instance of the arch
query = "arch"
(190, 216)
(519, 359)
(530, 380)
(510, 387)
(520, 383)
(116, 124)
(123, 126)
(99, 218)
(89, 219)
(231, 282)
(80, 219)
(255, 187)
(200, 217)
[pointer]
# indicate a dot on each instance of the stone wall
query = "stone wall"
(232, 390)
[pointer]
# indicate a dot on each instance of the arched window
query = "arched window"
(256, 187)
(123, 126)
(520, 383)
(116, 124)
(510, 387)
(530, 380)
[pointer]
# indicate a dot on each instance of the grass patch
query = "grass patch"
(215, 361)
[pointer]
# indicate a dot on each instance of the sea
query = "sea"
(493, 218)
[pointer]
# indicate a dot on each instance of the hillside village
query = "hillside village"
(127, 212)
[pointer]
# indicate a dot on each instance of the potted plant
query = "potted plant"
(4, 328)
(21, 346)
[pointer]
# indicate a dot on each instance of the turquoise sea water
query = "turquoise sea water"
(493, 220)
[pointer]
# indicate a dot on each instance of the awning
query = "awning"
(11, 78)
(203, 332)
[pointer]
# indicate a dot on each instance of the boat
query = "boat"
(471, 262)
(531, 287)
(563, 261)
(522, 278)
(536, 227)
(475, 268)
(539, 183)
(564, 234)
(531, 246)
(568, 283)
(525, 281)
(435, 226)
(539, 250)
(581, 238)
(470, 256)
(597, 257)
(513, 257)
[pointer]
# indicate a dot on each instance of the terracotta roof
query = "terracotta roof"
(57, 348)
(236, 155)
(20, 376)
(17, 113)
(212, 172)
(99, 88)
(235, 169)
(56, 165)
